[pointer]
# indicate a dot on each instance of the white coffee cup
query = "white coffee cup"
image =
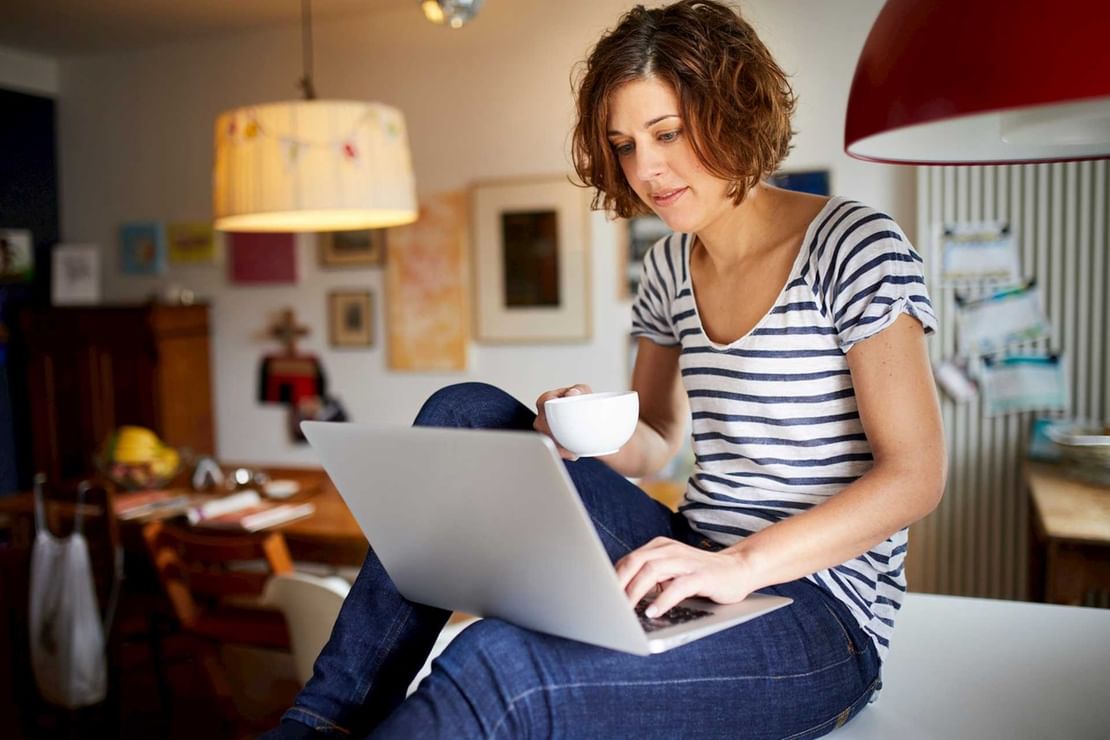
(593, 424)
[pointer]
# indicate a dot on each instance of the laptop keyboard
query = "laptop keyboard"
(675, 615)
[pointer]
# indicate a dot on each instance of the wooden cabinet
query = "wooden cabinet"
(94, 369)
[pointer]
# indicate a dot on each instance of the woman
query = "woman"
(793, 326)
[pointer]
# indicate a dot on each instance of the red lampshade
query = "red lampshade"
(983, 81)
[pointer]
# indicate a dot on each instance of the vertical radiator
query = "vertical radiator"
(976, 542)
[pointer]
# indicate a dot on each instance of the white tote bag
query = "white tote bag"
(67, 638)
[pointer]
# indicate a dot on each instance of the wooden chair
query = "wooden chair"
(214, 584)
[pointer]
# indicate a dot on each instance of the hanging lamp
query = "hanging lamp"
(451, 13)
(312, 165)
(987, 81)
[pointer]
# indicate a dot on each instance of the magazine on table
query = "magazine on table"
(257, 516)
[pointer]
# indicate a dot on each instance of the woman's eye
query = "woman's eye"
(623, 149)
(669, 135)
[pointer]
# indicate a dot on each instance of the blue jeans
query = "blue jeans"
(797, 672)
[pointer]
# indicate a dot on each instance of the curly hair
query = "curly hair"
(733, 95)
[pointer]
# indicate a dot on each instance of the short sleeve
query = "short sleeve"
(874, 276)
(651, 311)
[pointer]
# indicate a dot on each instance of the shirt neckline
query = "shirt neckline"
(799, 259)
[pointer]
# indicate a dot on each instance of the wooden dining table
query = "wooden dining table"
(329, 535)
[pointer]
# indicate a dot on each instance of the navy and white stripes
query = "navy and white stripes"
(775, 424)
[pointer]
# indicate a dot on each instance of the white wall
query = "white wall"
(29, 73)
(492, 100)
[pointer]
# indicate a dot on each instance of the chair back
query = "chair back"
(310, 605)
(214, 582)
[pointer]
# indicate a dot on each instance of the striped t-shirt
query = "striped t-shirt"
(776, 429)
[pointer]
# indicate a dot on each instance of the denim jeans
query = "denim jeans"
(797, 672)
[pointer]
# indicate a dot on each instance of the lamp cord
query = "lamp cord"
(306, 85)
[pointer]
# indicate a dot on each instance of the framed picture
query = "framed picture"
(262, 258)
(191, 242)
(427, 288)
(350, 322)
(531, 247)
(363, 248)
(803, 181)
(75, 278)
(17, 255)
(142, 248)
(639, 233)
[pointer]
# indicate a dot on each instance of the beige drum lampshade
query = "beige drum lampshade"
(312, 165)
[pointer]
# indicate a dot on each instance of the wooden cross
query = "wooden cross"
(286, 330)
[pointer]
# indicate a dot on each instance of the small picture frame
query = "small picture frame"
(75, 277)
(350, 318)
(17, 255)
(362, 248)
(639, 234)
(142, 248)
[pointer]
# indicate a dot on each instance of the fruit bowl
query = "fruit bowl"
(136, 476)
(1083, 444)
(135, 459)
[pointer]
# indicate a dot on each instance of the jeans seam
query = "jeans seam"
(607, 531)
(847, 638)
(387, 644)
(837, 718)
(594, 684)
(327, 722)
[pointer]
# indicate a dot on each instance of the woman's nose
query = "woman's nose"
(649, 164)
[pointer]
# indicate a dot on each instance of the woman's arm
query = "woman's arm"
(901, 416)
(663, 412)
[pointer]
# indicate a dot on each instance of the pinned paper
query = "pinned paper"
(1001, 318)
(954, 380)
(1024, 383)
(976, 252)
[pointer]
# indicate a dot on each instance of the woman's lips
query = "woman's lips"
(667, 197)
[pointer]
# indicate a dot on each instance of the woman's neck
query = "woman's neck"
(766, 219)
(743, 230)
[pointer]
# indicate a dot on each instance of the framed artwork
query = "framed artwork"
(363, 248)
(75, 277)
(17, 255)
(191, 243)
(262, 258)
(531, 247)
(427, 288)
(639, 233)
(350, 321)
(803, 181)
(142, 248)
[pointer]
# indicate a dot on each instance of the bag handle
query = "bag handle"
(79, 514)
(40, 510)
(40, 505)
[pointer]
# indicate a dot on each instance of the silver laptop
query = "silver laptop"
(489, 523)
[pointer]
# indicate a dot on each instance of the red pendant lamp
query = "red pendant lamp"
(982, 82)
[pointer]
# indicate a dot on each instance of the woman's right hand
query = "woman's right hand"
(540, 424)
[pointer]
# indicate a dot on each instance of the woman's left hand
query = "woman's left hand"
(682, 571)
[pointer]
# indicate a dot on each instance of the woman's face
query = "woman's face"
(650, 141)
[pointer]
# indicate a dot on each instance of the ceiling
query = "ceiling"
(72, 27)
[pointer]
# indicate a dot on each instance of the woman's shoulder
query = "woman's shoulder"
(845, 227)
(667, 257)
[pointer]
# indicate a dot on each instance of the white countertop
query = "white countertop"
(982, 668)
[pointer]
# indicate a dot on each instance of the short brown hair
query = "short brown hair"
(734, 97)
